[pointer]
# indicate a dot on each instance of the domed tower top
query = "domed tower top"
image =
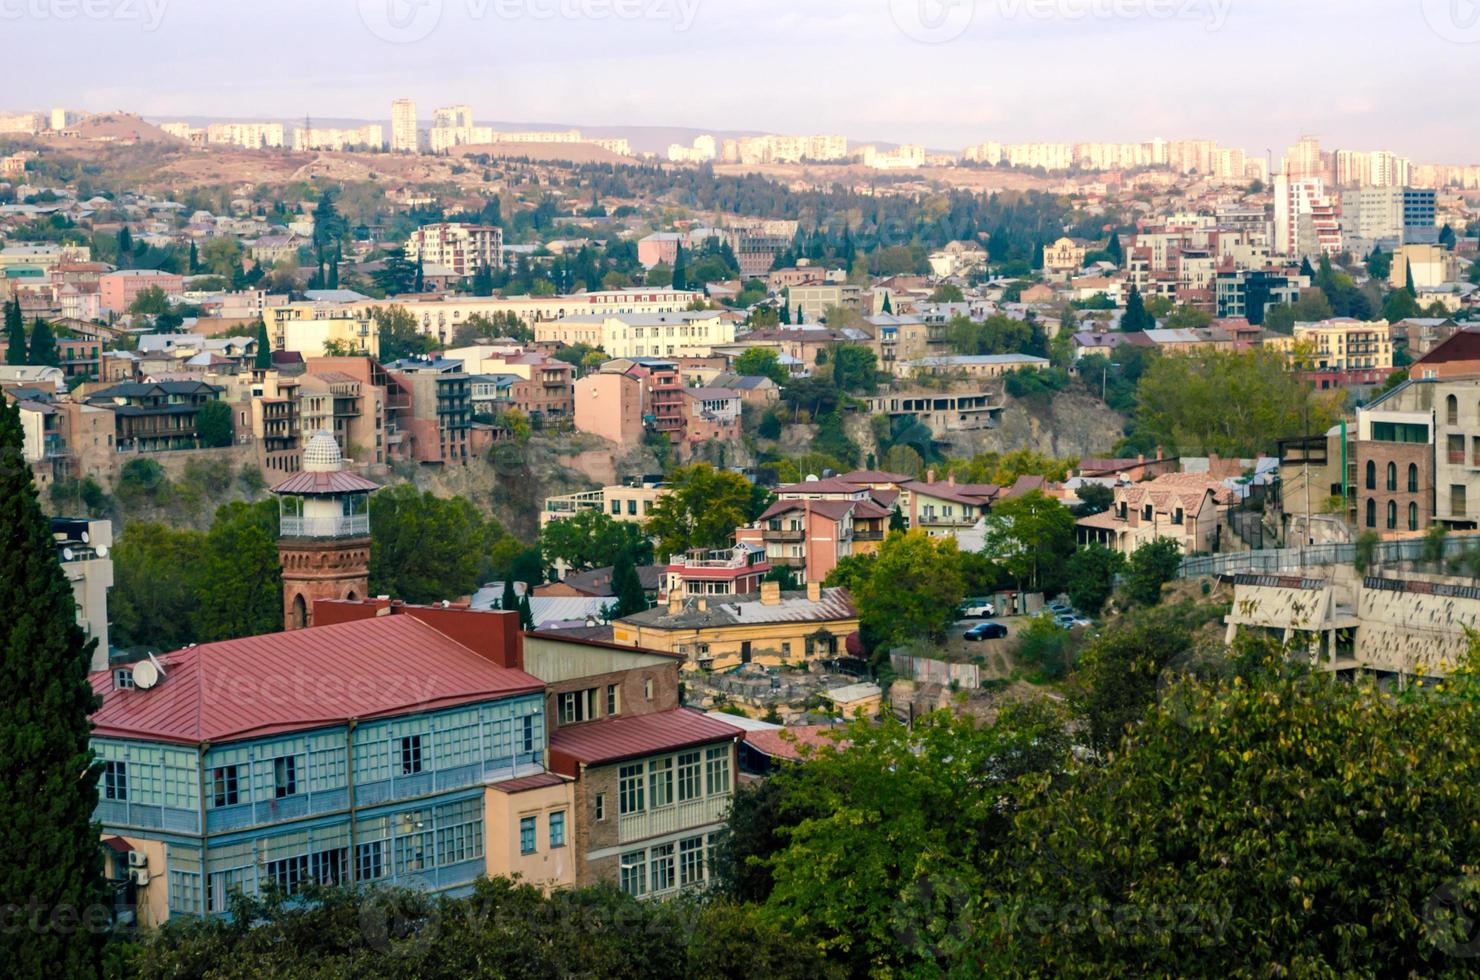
(322, 454)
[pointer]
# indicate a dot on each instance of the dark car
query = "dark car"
(985, 631)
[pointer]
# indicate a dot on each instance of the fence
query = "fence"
(1276, 560)
(935, 671)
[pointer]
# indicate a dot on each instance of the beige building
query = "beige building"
(463, 249)
(813, 299)
(609, 404)
(1432, 265)
(692, 333)
(1188, 508)
(1063, 258)
(310, 329)
(403, 127)
(631, 501)
(1343, 350)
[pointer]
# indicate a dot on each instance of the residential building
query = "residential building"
(968, 366)
(810, 301)
(82, 548)
(943, 508)
(155, 416)
(711, 414)
(1443, 417)
(1249, 293)
(1343, 351)
(730, 571)
(812, 535)
(771, 627)
(461, 248)
(118, 290)
(1394, 458)
(367, 137)
(404, 134)
(609, 404)
(321, 329)
(1430, 266)
(251, 135)
(1188, 508)
(629, 501)
(441, 417)
(635, 335)
(1456, 357)
(1063, 259)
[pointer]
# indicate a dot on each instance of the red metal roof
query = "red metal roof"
(771, 742)
(526, 783)
(614, 739)
(335, 482)
(301, 679)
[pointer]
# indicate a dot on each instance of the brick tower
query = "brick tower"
(324, 545)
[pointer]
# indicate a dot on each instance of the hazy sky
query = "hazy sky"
(1397, 74)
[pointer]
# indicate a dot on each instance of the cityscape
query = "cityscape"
(484, 496)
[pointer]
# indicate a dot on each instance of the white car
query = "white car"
(977, 609)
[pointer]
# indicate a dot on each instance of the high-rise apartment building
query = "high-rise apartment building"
(403, 126)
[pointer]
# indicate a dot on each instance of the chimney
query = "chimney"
(675, 602)
(930, 476)
(951, 479)
(1140, 458)
(770, 593)
(1158, 452)
(703, 604)
(814, 591)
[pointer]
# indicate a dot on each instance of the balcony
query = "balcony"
(671, 819)
(357, 525)
(783, 534)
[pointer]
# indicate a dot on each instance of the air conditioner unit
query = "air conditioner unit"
(140, 876)
(138, 859)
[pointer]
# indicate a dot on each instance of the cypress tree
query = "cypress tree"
(627, 587)
(1113, 247)
(888, 307)
(526, 617)
(510, 600)
(194, 259)
(1306, 270)
(15, 333)
(1136, 317)
(43, 351)
(420, 278)
(785, 312)
(53, 864)
(680, 269)
(263, 359)
(1408, 283)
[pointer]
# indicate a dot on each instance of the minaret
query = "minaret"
(324, 544)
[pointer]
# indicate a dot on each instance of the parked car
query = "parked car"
(985, 631)
(1069, 621)
(1060, 608)
(977, 609)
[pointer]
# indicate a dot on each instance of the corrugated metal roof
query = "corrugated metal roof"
(303, 679)
(612, 740)
(527, 783)
(793, 607)
(325, 483)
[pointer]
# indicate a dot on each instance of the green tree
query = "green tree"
(913, 587)
(262, 360)
(426, 548)
(43, 348)
(680, 268)
(627, 587)
(855, 369)
(1150, 567)
(222, 257)
(150, 301)
(510, 599)
(15, 333)
(213, 424)
(1045, 646)
(400, 335)
(526, 616)
(1399, 305)
(945, 293)
(593, 539)
(1091, 577)
(1136, 318)
(1185, 317)
(239, 583)
(396, 275)
(1114, 250)
(701, 509)
(50, 790)
(1032, 537)
(1095, 498)
(761, 362)
(329, 227)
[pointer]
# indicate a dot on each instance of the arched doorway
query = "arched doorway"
(299, 617)
(351, 597)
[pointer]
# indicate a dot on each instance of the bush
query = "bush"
(142, 480)
(1046, 647)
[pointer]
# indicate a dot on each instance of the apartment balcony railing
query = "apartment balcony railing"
(326, 527)
(783, 534)
(671, 819)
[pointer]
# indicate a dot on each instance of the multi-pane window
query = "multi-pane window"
(526, 834)
(413, 852)
(284, 776)
(328, 867)
(600, 806)
(410, 755)
(660, 781)
(661, 867)
(633, 879)
(613, 704)
(225, 782)
(577, 706)
(527, 742)
(691, 861)
(557, 829)
(115, 780)
(717, 770)
(629, 789)
(369, 860)
(289, 874)
(688, 776)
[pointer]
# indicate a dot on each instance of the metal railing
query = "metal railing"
(325, 527)
(1276, 560)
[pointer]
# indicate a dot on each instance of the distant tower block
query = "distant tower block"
(324, 544)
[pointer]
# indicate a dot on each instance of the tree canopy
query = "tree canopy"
(593, 539)
(701, 509)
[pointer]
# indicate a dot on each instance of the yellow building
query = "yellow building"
(771, 628)
(310, 329)
(1346, 350)
(1063, 258)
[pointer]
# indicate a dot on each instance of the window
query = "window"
(613, 699)
(1413, 478)
(717, 770)
(284, 776)
(634, 873)
(1392, 514)
(688, 776)
(600, 806)
(616, 507)
(1371, 512)
(1371, 475)
(691, 861)
(526, 834)
(327, 867)
(647, 688)
(629, 790)
(577, 706)
(115, 780)
(1392, 476)
(660, 782)
(661, 867)
(557, 829)
(224, 783)
(1457, 499)
(632, 507)
(1400, 432)
(288, 873)
(410, 755)
(369, 862)
(1413, 517)
(123, 679)
(1451, 410)
(527, 741)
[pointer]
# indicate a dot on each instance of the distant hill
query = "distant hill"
(123, 125)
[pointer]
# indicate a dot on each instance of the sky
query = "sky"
(1359, 74)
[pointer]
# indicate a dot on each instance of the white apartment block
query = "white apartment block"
(369, 137)
(784, 149)
(24, 122)
(462, 249)
(1294, 198)
(63, 118)
(619, 146)
(440, 139)
(1371, 168)
(184, 131)
(453, 117)
(251, 136)
(403, 127)
(691, 333)
(906, 157)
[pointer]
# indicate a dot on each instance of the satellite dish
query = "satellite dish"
(102, 551)
(85, 538)
(67, 554)
(146, 675)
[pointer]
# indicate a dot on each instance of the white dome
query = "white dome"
(322, 455)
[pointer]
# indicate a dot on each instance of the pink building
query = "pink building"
(660, 246)
(609, 404)
(117, 290)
